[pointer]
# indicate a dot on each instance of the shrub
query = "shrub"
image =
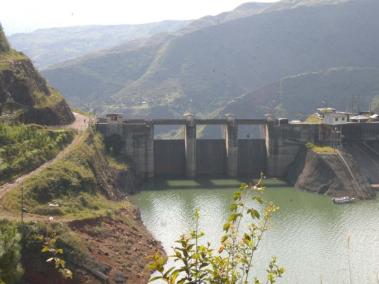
(232, 263)
(10, 253)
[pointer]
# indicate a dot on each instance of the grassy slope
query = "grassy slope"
(25, 147)
(77, 183)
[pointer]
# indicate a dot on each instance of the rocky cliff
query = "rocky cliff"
(329, 174)
(24, 94)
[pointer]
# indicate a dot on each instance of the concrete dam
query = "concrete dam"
(282, 153)
(189, 157)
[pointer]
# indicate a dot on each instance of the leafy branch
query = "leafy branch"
(233, 261)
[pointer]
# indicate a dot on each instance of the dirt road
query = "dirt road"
(80, 124)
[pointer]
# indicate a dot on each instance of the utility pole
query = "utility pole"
(22, 204)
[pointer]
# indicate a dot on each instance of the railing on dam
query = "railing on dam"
(190, 156)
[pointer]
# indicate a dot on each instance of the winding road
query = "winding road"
(80, 124)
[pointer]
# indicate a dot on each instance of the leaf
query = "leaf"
(254, 213)
(155, 278)
(45, 249)
(226, 227)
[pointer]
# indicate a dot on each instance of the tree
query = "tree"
(232, 262)
(4, 45)
(10, 253)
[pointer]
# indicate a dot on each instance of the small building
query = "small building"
(114, 117)
(333, 117)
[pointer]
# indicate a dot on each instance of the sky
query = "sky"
(27, 15)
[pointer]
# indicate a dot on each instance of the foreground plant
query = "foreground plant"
(55, 255)
(10, 253)
(233, 261)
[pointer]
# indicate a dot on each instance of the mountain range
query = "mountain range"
(272, 56)
(51, 46)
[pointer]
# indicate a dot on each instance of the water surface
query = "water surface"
(309, 234)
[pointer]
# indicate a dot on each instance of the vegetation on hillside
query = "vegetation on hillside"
(24, 94)
(4, 45)
(36, 248)
(346, 89)
(80, 191)
(10, 253)
(198, 262)
(77, 184)
(25, 147)
(320, 149)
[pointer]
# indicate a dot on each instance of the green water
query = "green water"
(309, 234)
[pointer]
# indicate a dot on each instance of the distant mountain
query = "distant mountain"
(54, 45)
(292, 4)
(203, 70)
(24, 94)
(347, 89)
(244, 10)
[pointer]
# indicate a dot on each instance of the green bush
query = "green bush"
(10, 253)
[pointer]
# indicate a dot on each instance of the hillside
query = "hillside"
(244, 10)
(51, 46)
(205, 69)
(100, 231)
(24, 94)
(347, 89)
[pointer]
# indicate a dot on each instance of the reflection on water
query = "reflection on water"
(309, 233)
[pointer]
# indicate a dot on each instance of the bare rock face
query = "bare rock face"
(328, 174)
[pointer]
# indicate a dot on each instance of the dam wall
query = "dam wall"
(252, 157)
(192, 157)
(361, 132)
(211, 157)
(169, 158)
(189, 157)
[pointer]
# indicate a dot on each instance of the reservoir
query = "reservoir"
(315, 240)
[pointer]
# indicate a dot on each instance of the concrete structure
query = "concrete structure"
(191, 157)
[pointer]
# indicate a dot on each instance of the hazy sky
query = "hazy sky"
(28, 15)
